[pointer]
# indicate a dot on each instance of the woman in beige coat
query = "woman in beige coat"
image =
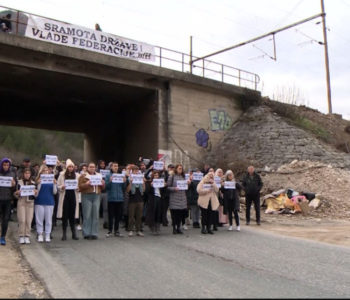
(207, 201)
(68, 204)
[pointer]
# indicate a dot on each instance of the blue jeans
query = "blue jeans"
(91, 207)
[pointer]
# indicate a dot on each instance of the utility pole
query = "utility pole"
(326, 58)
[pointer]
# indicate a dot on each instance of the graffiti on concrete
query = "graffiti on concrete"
(202, 138)
(219, 120)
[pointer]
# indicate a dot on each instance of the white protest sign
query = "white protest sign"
(137, 178)
(88, 39)
(123, 172)
(158, 183)
(51, 160)
(197, 176)
(27, 190)
(117, 178)
(158, 165)
(217, 181)
(230, 185)
(5, 181)
(104, 173)
(71, 184)
(95, 180)
(207, 187)
(187, 176)
(182, 185)
(47, 178)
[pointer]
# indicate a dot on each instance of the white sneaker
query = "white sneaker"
(21, 240)
(130, 233)
(230, 228)
(139, 233)
(40, 238)
(47, 238)
(27, 240)
(185, 227)
(238, 228)
(79, 227)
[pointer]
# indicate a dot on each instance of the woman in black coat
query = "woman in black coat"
(230, 190)
(155, 197)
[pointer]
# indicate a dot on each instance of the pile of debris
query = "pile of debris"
(329, 185)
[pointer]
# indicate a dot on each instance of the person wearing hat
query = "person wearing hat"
(68, 204)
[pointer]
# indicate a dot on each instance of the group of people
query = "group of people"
(137, 194)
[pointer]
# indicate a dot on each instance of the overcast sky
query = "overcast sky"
(215, 24)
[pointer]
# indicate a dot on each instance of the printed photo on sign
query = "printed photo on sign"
(95, 180)
(46, 178)
(137, 179)
(5, 181)
(207, 187)
(217, 181)
(104, 173)
(27, 190)
(158, 183)
(230, 185)
(158, 165)
(182, 185)
(71, 184)
(118, 178)
(197, 176)
(51, 160)
(187, 176)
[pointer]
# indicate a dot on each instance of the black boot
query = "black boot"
(204, 230)
(64, 235)
(74, 234)
(209, 230)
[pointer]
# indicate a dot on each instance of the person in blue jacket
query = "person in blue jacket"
(115, 198)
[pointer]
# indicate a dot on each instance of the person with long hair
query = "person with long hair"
(231, 199)
(207, 201)
(90, 197)
(221, 217)
(155, 196)
(178, 199)
(44, 205)
(25, 207)
(68, 203)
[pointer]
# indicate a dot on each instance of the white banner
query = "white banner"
(5, 181)
(230, 185)
(27, 190)
(187, 176)
(71, 184)
(104, 173)
(158, 183)
(85, 38)
(46, 178)
(158, 165)
(207, 187)
(51, 160)
(118, 178)
(95, 180)
(137, 178)
(217, 181)
(197, 176)
(182, 184)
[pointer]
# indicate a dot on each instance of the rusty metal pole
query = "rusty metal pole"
(329, 97)
(191, 62)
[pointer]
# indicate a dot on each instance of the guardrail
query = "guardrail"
(164, 57)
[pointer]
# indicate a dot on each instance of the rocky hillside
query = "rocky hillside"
(272, 134)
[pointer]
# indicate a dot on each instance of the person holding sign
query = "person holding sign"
(7, 185)
(177, 186)
(192, 196)
(231, 198)
(207, 201)
(101, 168)
(68, 204)
(115, 187)
(155, 191)
(135, 207)
(25, 205)
(220, 218)
(90, 185)
(44, 205)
